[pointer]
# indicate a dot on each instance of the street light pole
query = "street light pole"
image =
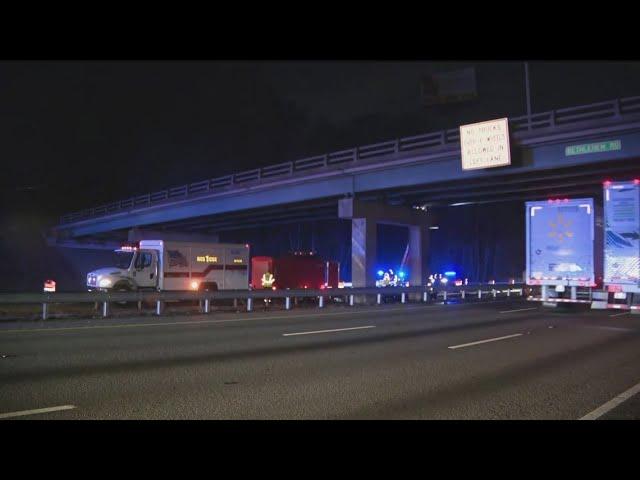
(528, 92)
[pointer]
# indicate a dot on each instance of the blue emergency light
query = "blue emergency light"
(380, 273)
(449, 274)
(401, 274)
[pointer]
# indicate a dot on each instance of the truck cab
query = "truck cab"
(133, 269)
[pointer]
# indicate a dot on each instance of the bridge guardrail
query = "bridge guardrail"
(205, 298)
(535, 121)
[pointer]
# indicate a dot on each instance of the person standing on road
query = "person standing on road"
(267, 282)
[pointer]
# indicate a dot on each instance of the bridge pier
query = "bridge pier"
(365, 216)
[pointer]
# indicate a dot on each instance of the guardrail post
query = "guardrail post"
(403, 297)
(444, 296)
(462, 294)
(574, 293)
(544, 293)
(249, 304)
(493, 292)
(139, 305)
(45, 311)
(321, 302)
(425, 296)
(235, 303)
(379, 298)
(351, 300)
(287, 303)
(159, 307)
(480, 293)
(508, 292)
(206, 305)
(105, 309)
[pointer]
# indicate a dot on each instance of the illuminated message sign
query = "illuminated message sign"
(485, 144)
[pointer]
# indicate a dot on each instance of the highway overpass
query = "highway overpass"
(406, 177)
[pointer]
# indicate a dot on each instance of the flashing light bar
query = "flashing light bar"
(450, 274)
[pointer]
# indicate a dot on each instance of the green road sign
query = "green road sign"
(593, 148)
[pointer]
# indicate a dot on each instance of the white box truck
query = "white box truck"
(563, 248)
(163, 265)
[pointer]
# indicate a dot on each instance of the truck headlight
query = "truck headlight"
(105, 282)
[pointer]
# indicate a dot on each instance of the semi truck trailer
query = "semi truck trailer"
(621, 246)
(563, 248)
(162, 265)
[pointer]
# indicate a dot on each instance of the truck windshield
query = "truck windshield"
(122, 259)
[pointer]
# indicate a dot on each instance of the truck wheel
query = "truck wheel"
(122, 288)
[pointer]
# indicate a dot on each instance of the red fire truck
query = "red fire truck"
(296, 271)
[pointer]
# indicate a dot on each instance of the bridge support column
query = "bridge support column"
(417, 261)
(365, 217)
(363, 253)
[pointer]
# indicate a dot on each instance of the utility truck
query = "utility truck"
(162, 265)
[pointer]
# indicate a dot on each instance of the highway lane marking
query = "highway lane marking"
(36, 411)
(613, 329)
(496, 339)
(204, 322)
(613, 403)
(327, 331)
(520, 310)
(619, 314)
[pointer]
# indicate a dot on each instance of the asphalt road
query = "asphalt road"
(503, 360)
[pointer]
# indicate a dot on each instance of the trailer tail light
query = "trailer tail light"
(194, 285)
(273, 288)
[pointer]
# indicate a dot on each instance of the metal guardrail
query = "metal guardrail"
(205, 298)
(536, 121)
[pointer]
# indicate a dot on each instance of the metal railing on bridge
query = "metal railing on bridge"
(536, 121)
(206, 299)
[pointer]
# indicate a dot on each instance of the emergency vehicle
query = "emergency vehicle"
(164, 265)
(298, 270)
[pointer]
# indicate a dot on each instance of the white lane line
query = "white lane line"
(327, 331)
(613, 329)
(619, 314)
(520, 310)
(613, 403)
(36, 411)
(205, 322)
(485, 341)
